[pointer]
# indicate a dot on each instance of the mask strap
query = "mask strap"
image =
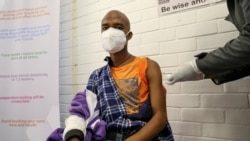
(127, 33)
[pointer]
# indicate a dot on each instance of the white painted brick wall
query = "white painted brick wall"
(238, 116)
(197, 29)
(233, 132)
(212, 12)
(187, 128)
(178, 19)
(183, 100)
(215, 40)
(197, 111)
(203, 115)
(178, 46)
(224, 101)
(200, 139)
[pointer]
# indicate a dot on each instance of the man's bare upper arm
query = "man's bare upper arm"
(154, 75)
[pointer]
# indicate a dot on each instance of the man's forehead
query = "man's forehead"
(115, 16)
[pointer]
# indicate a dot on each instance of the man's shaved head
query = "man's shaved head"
(115, 18)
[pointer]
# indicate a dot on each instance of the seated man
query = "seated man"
(126, 97)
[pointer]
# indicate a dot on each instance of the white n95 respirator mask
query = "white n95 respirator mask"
(113, 40)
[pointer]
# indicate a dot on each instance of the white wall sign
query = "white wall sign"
(169, 6)
(29, 48)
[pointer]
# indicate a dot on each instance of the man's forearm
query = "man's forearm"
(151, 129)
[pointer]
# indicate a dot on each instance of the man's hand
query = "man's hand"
(188, 72)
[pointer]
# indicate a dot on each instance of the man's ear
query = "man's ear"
(130, 35)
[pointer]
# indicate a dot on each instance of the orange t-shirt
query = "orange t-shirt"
(131, 82)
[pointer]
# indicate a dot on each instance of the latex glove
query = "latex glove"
(188, 72)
